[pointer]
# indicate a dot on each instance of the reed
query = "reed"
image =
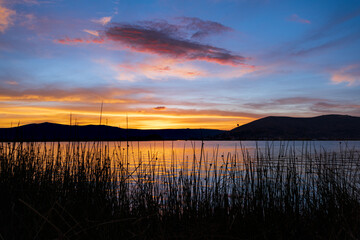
(91, 191)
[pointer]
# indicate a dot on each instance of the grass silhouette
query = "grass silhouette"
(91, 191)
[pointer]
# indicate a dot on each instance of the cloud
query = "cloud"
(76, 95)
(32, 2)
(203, 28)
(227, 72)
(159, 69)
(304, 106)
(336, 108)
(335, 25)
(328, 45)
(36, 2)
(103, 21)
(92, 32)
(284, 102)
(67, 40)
(160, 108)
(157, 41)
(172, 41)
(349, 74)
(187, 27)
(296, 18)
(11, 82)
(73, 41)
(6, 17)
(338, 31)
(28, 20)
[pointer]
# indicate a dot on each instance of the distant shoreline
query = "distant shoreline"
(321, 128)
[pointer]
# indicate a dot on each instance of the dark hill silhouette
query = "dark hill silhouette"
(58, 132)
(326, 127)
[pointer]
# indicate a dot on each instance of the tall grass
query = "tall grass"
(92, 191)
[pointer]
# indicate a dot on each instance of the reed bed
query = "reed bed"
(92, 191)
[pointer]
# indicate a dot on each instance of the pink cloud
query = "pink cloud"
(69, 40)
(14, 83)
(148, 40)
(28, 21)
(92, 32)
(35, 2)
(73, 41)
(159, 69)
(349, 74)
(6, 17)
(296, 18)
(96, 40)
(165, 40)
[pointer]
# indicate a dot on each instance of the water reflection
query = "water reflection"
(171, 158)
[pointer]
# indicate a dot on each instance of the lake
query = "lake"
(173, 157)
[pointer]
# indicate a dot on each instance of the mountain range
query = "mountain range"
(58, 132)
(326, 127)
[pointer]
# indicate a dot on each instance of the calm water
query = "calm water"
(206, 163)
(165, 149)
(185, 153)
(181, 150)
(188, 154)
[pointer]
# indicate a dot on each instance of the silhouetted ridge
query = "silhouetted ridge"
(329, 127)
(326, 127)
(58, 132)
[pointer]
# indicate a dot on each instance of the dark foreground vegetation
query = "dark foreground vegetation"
(91, 192)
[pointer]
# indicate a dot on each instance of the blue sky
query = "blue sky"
(177, 64)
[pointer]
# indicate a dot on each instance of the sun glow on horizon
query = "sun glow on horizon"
(136, 120)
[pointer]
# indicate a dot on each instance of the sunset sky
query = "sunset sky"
(177, 64)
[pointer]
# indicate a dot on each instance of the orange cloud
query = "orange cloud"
(106, 95)
(55, 105)
(6, 17)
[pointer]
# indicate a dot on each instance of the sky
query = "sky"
(177, 64)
